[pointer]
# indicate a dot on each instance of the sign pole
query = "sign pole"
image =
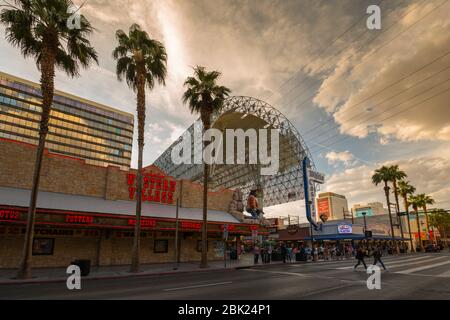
(176, 235)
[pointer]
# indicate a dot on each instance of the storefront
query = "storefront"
(87, 212)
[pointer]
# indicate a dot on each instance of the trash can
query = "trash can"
(85, 266)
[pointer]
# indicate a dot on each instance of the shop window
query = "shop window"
(43, 247)
(199, 245)
(161, 246)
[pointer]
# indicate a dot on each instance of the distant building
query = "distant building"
(371, 209)
(331, 205)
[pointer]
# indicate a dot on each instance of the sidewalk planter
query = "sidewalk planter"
(85, 266)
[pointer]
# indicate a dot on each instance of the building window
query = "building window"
(43, 247)
(199, 245)
(161, 246)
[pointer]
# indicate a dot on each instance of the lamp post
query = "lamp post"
(365, 224)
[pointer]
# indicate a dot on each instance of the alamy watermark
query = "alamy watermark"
(374, 20)
(74, 280)
(230, 147)
(374, 281)
(73, 22)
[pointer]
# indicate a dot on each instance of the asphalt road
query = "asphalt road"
(421, 276)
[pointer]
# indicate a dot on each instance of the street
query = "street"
(417, 276)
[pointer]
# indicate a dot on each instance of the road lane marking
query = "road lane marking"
(409, 271)
(280, 272)
(395, 262)
(200, 286)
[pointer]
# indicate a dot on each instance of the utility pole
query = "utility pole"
(176, 235)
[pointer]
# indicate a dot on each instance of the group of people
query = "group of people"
(326, 252)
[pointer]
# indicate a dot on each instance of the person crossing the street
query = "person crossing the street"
(360, 256)
(377, 254)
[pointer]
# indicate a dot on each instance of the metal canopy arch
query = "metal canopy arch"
(240, 112)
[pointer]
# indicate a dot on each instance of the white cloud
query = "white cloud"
(335, 158)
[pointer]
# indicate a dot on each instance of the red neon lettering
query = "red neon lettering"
(9, 214)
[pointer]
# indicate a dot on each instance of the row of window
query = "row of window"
(64, 100)
(67, 133)
(52, 143)
(69, 126)
(88, 160)
(65, 116)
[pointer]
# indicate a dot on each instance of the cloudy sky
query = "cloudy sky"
(361, 98)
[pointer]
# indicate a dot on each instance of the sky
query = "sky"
(360, 98)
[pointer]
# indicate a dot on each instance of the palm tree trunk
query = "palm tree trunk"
(206, 119)
(135, 260)
(428, 223)
(418, 229)
(405, 200)
(399, 218)
(386, 191)
(47, 88)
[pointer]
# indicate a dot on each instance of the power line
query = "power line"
(393, 115)
(396, 36)
(321, 52)
(382, 90)
(382, 102)
(358, 50)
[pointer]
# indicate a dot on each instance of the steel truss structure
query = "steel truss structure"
(245, 113)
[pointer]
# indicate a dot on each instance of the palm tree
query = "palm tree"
(384, 174)
(204, 96)
(141, 61)
(424, 201)
(404, 189)
(440, 219)
(415, 202)
(39, 29)
(397, 175)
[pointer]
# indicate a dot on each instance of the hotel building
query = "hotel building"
(78, 128)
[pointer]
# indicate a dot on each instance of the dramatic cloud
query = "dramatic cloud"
(364, 93)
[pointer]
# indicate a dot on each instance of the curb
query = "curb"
(111, 277)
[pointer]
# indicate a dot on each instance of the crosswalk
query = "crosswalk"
(429, 265)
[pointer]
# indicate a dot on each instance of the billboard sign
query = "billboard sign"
(323, 209)
(345, 229)
(368, 211)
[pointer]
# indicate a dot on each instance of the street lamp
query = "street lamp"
(365, 224)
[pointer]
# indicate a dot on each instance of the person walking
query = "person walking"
(289, 253)
(377, 254)
(283, 252)
(360, 257)
(256, 252)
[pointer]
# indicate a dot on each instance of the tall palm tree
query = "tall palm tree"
(39, 29)
(384, 175)
(440, 219)
(397, 175)
(404, 189)
(205, 96)
(141, 61)
(415, 202)
(425, 200)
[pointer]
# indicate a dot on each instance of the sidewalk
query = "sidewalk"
(45, 275)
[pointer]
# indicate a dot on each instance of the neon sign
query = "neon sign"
(155, 188)
(10, 214)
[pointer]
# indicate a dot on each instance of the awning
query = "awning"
(354, 237)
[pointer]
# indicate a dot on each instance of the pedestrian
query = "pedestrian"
(315, 253)
(283, 253)
(269, 253)
(257, 251)
(360, 257)
(377, 254)
(289, 254)
(326, 253)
